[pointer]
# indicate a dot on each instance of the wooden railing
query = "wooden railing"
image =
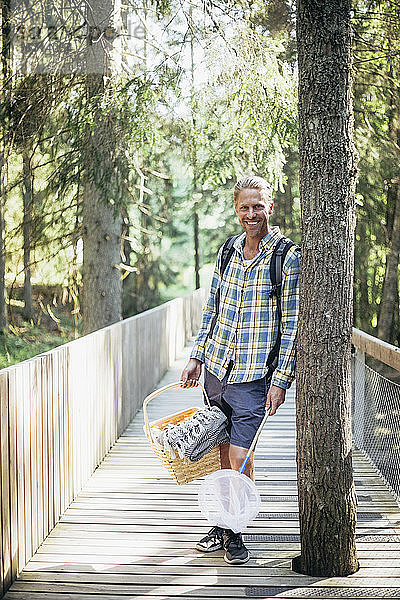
(376, 406)
(62, 411)
(386, 353)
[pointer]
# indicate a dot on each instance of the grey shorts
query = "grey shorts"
(243, 404)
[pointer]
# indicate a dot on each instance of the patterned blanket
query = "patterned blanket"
(192, 439)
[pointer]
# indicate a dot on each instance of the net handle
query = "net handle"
(254, 442)
(170, 386)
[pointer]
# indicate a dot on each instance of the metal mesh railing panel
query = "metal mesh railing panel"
(376, 422)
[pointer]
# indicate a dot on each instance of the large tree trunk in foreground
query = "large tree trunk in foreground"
(327, 500)
(101, 294)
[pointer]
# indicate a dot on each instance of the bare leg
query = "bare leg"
(224, 454)
(236, 458)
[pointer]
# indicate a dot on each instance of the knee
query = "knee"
(236, 456)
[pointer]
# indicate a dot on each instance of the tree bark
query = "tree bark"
(194, 158)
(196, 249)
(3, 192)
(101, 294)
(363, 311)
(5, 87)
(27, 193)
(327, 500)
(390, 290)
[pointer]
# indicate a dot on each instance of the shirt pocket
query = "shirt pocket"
(264, 301)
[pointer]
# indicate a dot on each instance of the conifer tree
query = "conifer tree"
(327, 499)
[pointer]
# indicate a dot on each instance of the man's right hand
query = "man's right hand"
(191, 373)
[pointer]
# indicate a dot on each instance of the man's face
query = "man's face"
(253, 213)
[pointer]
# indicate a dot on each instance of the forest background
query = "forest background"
(195, 94)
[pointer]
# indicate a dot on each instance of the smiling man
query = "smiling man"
(247, 338)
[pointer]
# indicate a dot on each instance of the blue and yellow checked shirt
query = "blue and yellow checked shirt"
(247, 324)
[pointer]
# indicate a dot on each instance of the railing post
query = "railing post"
(359, 399)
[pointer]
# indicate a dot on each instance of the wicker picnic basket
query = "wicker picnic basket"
(181, 471)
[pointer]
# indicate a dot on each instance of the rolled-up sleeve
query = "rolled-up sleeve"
(209, 312)
(285, 372)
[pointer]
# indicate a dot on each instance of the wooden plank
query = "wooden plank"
(215, 586)
(202, 577)
(38, 392)
(115, 400)
(45, 445)
(168, 553)
(34, 402)
(13, 466)
(20, 415)
(63, 433)
(69, 432)
(5, 520)
(96, 404)
(258, 592)
(186, 565)
(386, 353)
(189, 575)
(3, 531)
(50, 439)
(26, 459)
(62, 418)
(56, 426)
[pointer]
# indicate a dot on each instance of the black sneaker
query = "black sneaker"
(236, 552)
(212, 541)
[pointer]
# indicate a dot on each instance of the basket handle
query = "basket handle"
(170, 386)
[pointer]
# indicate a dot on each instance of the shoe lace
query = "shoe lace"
(215, 531)
(235, 539)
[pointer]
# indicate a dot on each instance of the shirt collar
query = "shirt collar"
(265, 244)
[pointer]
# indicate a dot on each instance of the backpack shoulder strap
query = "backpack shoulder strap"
(277, 259)
(227, 252)
(226, 255)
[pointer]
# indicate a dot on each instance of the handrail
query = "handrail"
(386, 353)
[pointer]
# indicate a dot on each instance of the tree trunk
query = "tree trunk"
(390, 290)
(193, 154)
(363, 311)
(196, 248)
(5, 86)
(3, 188)
(327, 499)
(101, 293)
(27, 193)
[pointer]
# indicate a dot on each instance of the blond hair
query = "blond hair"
(253, 182)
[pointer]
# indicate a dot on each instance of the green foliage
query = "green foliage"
(177, 135)
(377, 117)
(27, 343)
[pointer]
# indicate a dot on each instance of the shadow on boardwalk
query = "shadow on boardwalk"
(131, 532)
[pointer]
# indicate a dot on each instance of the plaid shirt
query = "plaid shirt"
(247, 324)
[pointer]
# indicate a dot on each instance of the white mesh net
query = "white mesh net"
(376, 422)
(229, 499)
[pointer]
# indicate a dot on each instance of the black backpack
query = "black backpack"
(277, 259)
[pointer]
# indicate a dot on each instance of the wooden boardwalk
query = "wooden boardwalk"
(131, 532)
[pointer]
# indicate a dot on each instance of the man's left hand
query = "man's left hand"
(275, 397)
